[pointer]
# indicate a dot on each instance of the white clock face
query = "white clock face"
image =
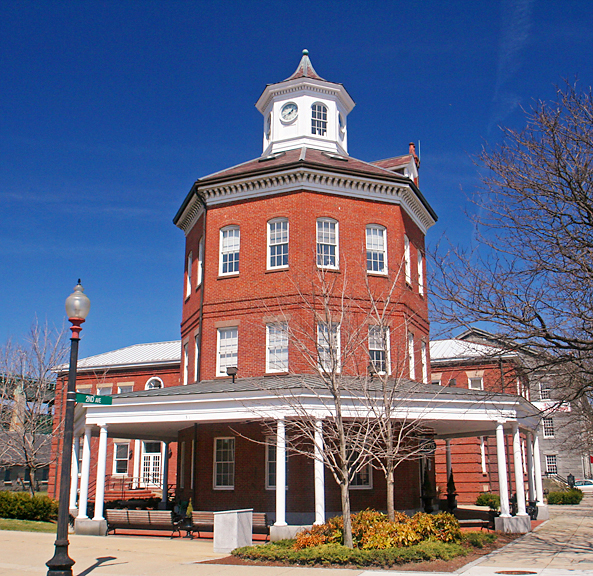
(289, 112)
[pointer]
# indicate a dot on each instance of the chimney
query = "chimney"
(416, 159)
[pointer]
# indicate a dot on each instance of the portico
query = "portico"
(196, 415)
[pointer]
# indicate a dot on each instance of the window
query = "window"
(271, 463)
(544, 391)
(319, 119)
(278, 243)
(407, 264)
(230, 239)
(412, 362)
(424, 360)
(277, 347)
(551, 464)
(228, 344)
(379, 349)
(124, 388)
(548, 426)
(420, 273)
(120, 457)
(224, 463)
(475, 383)
(188, 275)
(327, 243)
(154, 383)
(104, 390)
(196, 357)
(376, 249)
(200, 262)
(328, 346)
(363, 478)
(185, 363)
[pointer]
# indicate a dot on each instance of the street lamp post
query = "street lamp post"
(77, 308)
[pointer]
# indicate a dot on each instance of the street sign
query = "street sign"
(93, 399)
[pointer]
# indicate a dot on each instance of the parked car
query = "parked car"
(585, 485)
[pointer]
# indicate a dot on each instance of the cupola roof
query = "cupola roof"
(305, 69)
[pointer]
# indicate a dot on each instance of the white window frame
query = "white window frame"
(120, 388)
(319, 119)
(150, 383)
(385, 348)
(274, 332)
(116, 459)
(548, 427)
(185, 363)
(228, 334)
(324, 337)
(104, 389)
(368, 470)
(271, 445)
(424, 360)
(196, 355)
(320, 255)
(376, 251)
(551, 462)
(411, 356)
(216, 462)
(420, 273)
(545, 391)
(272, 224)
(475, 380)
(200, 271)
(226, 250)
(188, 275)
(407, 261)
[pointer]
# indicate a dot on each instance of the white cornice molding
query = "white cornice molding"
(313, 180)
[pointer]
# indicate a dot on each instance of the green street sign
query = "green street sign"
(93, 399)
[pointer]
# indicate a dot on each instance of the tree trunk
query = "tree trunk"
(345, 495)
(32, 481)
(390, 495)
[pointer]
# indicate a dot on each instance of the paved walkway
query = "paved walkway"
(560, 547)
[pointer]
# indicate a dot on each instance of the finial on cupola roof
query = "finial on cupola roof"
(305, 69)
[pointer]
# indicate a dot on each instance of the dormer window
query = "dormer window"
(319, 119)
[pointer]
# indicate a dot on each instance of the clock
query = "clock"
(289, 112)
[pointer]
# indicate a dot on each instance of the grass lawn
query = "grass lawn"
(26, 525)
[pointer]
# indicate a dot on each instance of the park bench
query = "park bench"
(474, 523)
(142, 520)
(204, 521)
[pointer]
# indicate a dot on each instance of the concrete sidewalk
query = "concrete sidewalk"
(560, 547)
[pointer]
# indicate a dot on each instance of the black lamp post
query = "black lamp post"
(77, 308)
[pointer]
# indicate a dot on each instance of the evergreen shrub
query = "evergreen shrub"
(572, 496)
(23, 506)
(488, 499)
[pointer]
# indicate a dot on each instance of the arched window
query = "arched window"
(376, 249)
(230, 240)
(319, 119)
(153, 383)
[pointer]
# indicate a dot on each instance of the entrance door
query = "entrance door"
(151, 464)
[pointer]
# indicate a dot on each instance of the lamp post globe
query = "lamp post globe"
(78, 306)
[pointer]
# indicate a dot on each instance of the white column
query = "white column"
(137, 457)
(100, 485)
(280, 473)
(74, 473)
(518, 464)
(530, 475)
(502, 472)
(85, 472)
(319, 474)
(448, 455)
(165, 485)
(537, 472)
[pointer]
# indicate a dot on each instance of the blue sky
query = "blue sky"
(110, 110)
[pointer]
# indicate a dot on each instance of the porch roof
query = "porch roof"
(159, 414)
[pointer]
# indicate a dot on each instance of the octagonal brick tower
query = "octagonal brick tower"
(259, 236)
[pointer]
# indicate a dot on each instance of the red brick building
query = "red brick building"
(301, 265)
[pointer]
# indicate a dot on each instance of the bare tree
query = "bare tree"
(27, 386)
(531, 272)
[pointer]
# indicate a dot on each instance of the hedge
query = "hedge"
(572, 496)
(488, 499)
(23, 506)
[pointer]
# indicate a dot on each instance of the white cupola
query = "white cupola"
(305, 110)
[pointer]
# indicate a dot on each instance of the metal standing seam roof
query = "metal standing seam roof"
(453, 349)
(136, 355)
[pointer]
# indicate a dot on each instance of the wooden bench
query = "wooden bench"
(142, 520)
(204, 521)
(474, 523)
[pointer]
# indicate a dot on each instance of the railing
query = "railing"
(123, 485)
(556, 477)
